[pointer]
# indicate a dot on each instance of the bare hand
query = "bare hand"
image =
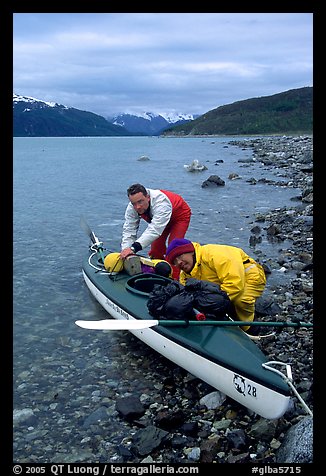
(126, 252)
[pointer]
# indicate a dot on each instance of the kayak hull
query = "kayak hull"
(225, 358)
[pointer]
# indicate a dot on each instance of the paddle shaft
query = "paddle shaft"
(171, 323)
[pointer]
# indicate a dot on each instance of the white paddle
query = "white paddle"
(133, 324)
(117, 324)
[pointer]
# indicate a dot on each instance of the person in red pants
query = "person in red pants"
(168, 217)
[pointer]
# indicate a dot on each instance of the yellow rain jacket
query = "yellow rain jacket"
(240, 276)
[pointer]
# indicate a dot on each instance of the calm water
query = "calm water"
(56, 180)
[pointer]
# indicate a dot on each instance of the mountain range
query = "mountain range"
(36, 118)
(149, 123)
(287, 112)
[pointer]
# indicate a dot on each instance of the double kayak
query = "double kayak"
(224, 356)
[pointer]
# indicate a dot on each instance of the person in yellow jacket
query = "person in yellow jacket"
(239, 275)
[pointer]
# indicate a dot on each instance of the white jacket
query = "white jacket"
(160, 213)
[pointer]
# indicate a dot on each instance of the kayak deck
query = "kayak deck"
(228, 347)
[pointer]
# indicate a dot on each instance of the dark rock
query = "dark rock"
(179, 441)
(212, 181)
(190, 428)
(148, 439)
(168, 420)
(256, 230)
(254, 240)
(266, 306)
(125, 452)
(273, 230)
(130, 408)
(241, 458)
(246, 161)
(263, 429)
(267, 269)
(208, 449)
(237, 439)
(97, 416)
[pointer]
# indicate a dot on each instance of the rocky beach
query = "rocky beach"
(167, 415)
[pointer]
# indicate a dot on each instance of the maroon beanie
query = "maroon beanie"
(177, 247)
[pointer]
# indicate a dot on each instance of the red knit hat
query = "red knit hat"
(177, 247)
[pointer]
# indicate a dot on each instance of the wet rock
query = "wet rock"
(254, 240)
(179, 441)
(25, 416)
(256, 230)
(193, 454)
(263, 429)
(148, 439)
(190, 428)
(213, 181)
(266, 306)
(209, 448)
(143, 158)
(273, 230)
(168, 420)
(125, 452)
(237, 439)
(130, 408)
(234, 176)
(96, 416)
(241, 458)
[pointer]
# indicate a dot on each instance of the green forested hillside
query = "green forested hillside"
(287, 112)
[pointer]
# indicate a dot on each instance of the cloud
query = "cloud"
(173, 62)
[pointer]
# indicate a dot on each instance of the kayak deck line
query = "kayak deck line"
(288, 379)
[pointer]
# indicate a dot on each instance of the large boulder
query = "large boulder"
(297, 446)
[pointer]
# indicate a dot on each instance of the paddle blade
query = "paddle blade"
(117, 324)
(87, 230)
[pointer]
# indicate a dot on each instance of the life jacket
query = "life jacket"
(179, 207)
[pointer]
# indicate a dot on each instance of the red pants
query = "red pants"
(175, 229)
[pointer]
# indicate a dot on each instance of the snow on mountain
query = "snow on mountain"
(17, 98)
(149, 123)
(172, 118)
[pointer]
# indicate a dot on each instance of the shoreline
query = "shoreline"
(272, 134)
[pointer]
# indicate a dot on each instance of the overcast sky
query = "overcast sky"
(187, 63)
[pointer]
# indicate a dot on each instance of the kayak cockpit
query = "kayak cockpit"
(143, 284)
